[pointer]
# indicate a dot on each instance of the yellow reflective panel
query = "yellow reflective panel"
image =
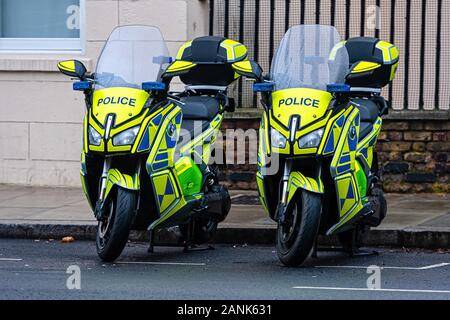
(261, 192)
(183, 47)
(244, 66)
(310, 104)
(390, 52)
(180, 65)
(394, 52)
(335, 50)
(240, 51)
(85, 133)
(365, 66)
(235, 50)
(125, 103)
(393, 71)
(68, 65)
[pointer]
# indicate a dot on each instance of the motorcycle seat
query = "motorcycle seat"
(368, 110)
(199, 108)
(365, 129)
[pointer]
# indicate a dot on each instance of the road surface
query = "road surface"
(32, 269)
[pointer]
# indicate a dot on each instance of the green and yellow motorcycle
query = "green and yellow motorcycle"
(318, 169)
(146, 152)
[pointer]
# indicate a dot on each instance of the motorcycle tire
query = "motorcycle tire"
(295, 239)
(112, 234)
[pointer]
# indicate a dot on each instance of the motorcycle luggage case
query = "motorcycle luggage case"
(213, 57)
(373, 63)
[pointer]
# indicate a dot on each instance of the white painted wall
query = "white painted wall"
(40, 115)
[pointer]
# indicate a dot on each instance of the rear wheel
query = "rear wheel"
(295, 239)
(113, 231)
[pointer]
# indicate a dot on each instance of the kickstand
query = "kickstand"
(151, 246)
(356, 252)
(189, 246)
(315, 249)
(187, 241)
(196, 248)
(353, 251)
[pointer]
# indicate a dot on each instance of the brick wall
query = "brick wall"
(414, 155)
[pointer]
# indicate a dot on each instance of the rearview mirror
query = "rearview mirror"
(72, 68)
(249, 69)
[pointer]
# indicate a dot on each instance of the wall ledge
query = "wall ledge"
(37, 63)
(439, 115)
(414, 115)
(244, 114)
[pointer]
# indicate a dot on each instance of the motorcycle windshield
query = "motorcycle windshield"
(132, 55)
(310, 56)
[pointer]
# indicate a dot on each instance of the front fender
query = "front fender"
(116, 178)
(299, 181)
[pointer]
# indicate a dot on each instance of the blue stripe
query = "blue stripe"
(345, 168)
(162, 156)
(160, 165)
(144, 142)
(157, 120)
(340, 122)
(330, 144)
(345, 159)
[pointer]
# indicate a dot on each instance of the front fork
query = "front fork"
(286, 173)
(281, 211)
(99, 207)
(103, 179)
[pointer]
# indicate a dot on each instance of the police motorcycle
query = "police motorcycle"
(145, 163)
(320, 125)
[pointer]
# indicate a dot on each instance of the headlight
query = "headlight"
(95, 138)
(278, 140)
(127, 137)
(311, 140)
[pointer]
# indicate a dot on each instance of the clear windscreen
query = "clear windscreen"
(310, 56)
(132, 55)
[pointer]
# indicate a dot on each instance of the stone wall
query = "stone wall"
(414, 155)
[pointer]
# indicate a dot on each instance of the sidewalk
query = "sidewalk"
(421, 220)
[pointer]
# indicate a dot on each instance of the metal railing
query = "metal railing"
(419, 28)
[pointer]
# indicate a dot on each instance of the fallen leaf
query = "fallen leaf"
(68, 239)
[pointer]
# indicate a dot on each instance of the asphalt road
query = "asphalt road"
(37, 270)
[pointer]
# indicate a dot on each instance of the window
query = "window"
(41, 25)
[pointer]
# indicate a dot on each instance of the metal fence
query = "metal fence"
(419, 28)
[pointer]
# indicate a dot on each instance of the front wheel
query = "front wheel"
(113, 231)
(295, 238)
